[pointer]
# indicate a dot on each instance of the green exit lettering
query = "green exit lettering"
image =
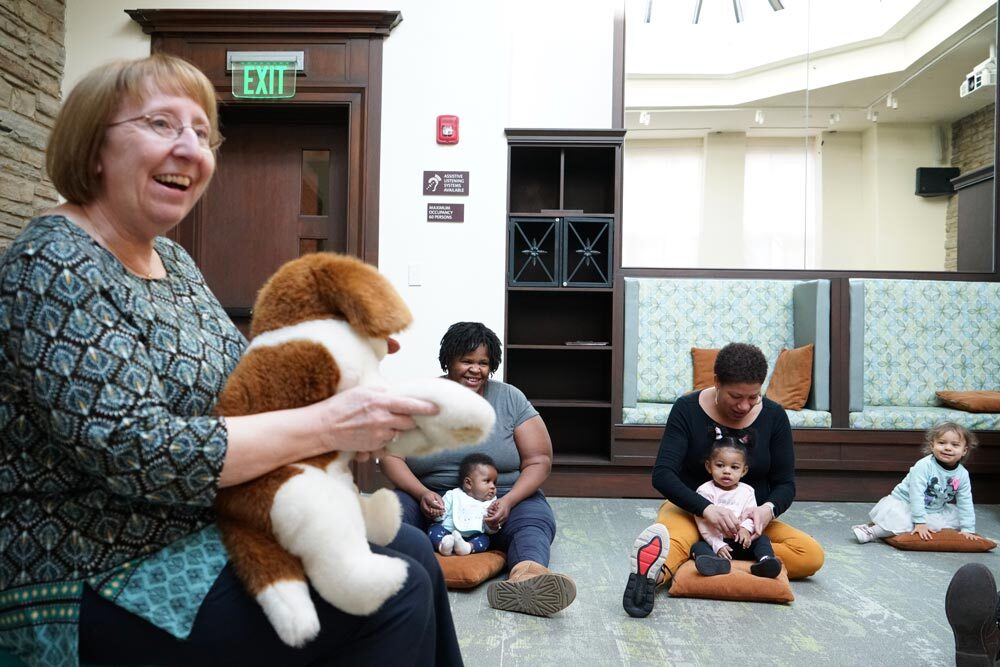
(265, 80)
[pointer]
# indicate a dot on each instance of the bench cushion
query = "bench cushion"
(675, 315)
(666, 317)
(920, 418)
(916, 337)
(657, 413)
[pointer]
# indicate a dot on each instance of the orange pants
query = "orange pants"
(801, 554)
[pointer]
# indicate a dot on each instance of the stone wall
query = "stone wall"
(971, 148)
(31, 70)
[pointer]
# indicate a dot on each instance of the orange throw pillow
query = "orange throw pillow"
(947, 539)
(472, 570)
(703, 360)
(971, 401)
(792, 378)
(739, 584)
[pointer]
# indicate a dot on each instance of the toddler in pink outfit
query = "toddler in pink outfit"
(727, 464)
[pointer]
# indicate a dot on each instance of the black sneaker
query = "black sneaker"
(649, 553)
(768, 566)
(710, 566)
(971, 607)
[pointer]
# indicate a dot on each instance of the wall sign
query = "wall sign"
(446, 183)
(446, 213)
(264, 75)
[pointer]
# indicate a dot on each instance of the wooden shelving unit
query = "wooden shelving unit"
(563, 217)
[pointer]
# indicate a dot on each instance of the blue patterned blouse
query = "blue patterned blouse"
(110, 454)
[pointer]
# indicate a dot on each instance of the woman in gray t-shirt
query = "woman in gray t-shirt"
(521, 447)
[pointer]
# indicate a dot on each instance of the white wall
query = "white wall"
(495, 64)
(844, 235)
(909, 230)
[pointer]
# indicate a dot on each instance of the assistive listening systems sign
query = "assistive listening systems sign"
(446, 183)
(263, 80)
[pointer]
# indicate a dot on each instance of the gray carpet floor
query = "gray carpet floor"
(869, 605)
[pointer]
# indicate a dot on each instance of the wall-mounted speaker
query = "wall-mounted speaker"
(935, 181)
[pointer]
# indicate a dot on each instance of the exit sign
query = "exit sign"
(263, 80)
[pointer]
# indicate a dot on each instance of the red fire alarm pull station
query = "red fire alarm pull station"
(447, 130)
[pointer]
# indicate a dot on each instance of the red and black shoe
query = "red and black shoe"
(649, 554)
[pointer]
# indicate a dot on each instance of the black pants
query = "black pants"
(414, 627)
(758, 549)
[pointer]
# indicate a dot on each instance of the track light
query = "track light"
(759, 117)
(834, 118)
(891, 102)
(644, 118)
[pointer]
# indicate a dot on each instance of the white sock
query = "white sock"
(881, 532)
(462, 548)
(447, 545)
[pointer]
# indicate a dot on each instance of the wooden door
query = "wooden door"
(280, 191)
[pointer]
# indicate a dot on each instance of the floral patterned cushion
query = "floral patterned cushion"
(921, 336)
(676, 315)
(920, 418)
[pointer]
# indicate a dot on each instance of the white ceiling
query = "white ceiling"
(927, 92)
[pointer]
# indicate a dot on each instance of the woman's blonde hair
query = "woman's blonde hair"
(936, 431)
(75, 142)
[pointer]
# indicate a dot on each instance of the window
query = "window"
(779, 204)
(662, 203)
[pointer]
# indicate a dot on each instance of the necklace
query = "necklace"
(143, 273)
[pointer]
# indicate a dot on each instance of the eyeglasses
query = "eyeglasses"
(167, 126)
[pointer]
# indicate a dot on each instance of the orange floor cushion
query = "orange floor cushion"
(472, 570)
(737, 585)
(947, 539)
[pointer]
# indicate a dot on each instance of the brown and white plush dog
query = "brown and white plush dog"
(321, 325)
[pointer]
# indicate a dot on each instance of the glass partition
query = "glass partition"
(809, 134)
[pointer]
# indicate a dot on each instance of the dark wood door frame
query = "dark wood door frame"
(343, 52)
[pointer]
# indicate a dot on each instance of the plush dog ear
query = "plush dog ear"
(362, 296)
(322, 285)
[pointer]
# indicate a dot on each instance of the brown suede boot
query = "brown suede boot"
(531, 588)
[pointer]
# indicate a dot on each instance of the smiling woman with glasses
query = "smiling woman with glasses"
(113, 351)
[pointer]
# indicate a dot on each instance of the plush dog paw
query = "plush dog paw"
(464, 418)
(369, 582)
(383, 515)
(291, 612)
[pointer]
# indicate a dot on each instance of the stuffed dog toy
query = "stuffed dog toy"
(321, 325)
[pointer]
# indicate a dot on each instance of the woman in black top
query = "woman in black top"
(733, 406)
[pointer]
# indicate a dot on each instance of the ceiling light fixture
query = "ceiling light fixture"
(643, 118)
(737, 9)
(759, 117)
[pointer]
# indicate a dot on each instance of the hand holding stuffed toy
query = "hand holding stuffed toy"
(320, 326)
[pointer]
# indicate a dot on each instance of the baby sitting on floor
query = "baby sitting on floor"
(727, 464)
(461, 529)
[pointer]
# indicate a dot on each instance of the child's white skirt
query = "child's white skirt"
(893, 515)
